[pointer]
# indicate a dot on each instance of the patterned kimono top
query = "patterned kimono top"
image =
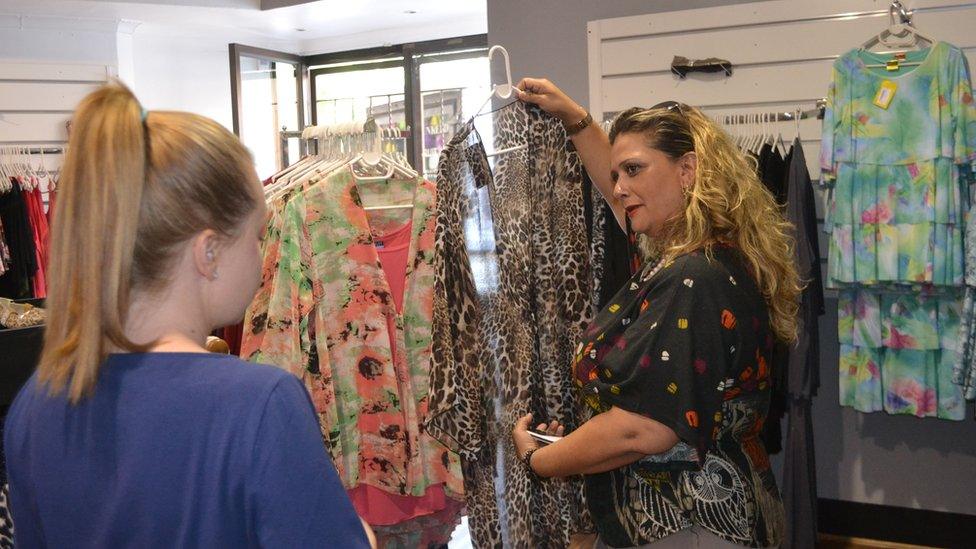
(322, 312)
(512, 297)
(688, 347)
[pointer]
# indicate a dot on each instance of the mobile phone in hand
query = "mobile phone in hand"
(542, 438)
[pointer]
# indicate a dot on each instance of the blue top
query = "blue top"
(175, 450)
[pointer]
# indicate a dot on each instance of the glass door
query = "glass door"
(357, 92)
(269, 106)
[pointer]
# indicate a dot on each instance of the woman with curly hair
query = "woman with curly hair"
(675, 371)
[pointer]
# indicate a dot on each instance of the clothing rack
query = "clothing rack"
(780, 116)
(44, 150)
(284, 135)
(309, 145)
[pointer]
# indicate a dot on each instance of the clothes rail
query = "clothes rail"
(284, 136)
(44, 150)
(310, 144)
(780, 116)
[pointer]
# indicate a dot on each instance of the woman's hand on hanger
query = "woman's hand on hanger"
(551, 99)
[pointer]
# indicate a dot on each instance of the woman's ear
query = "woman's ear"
(206, 252)
(687, 168)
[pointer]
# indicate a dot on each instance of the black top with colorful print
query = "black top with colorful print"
(688, 347)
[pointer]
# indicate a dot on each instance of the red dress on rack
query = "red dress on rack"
(40, 230)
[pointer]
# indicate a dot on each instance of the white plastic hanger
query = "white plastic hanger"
(898, 35)
(5, 184)
(501, 91)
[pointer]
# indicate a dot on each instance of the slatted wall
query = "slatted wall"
(782, 52)
(37, 99)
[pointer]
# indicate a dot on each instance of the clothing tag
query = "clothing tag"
(885, 94)
(379, 244)
(892, 66)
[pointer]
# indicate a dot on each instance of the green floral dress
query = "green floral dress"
(898, 175)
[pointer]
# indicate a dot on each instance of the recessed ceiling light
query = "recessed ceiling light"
(300, 30)
(410, 12)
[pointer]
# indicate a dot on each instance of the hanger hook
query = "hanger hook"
(503, 91)
(904, 17)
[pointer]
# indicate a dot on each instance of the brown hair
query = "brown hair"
(133, 187)
(727, 204)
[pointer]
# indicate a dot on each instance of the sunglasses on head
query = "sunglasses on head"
(669, 106)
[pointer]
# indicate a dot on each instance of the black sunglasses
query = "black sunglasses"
(669, 105)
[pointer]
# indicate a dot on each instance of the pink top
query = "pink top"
(393, 249)
(378, 507)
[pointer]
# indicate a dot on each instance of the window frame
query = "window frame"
(409, 56)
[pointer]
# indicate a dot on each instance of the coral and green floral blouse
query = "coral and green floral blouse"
(327, 309)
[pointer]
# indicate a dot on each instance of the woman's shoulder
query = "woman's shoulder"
(212, 373)
(242, 373)
(699, 267)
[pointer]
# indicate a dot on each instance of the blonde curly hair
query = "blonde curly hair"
(727, 204)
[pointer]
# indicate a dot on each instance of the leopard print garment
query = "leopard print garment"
(6, 521)
(514, 281)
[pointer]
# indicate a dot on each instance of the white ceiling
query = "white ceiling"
(326, 25)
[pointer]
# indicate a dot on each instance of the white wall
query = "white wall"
(59, 40)
(188, 72)
(167, 67)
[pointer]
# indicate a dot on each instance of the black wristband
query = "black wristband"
(527, 460)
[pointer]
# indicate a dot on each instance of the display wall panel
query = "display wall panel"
(797, 84)
(37, 96)
(766, 45)
(53, 72)
(37, 99)
(40, 127)
(758, 13)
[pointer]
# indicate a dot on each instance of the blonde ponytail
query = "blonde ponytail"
(133, 187)
(93, 237)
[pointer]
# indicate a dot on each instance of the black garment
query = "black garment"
(16, 282)
(801, 210)
(687, 347)
(772, 172)
(612, 253)
(681, 66)
(803, 378)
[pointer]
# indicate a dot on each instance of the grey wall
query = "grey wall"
(873, 458)
(273, 4)
(547, 38)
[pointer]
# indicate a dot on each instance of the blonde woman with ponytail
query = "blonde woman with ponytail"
(675, 372)
(130, 434)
